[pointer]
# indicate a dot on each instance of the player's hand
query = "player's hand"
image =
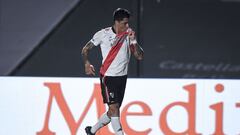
(89, 69)
(131, 34)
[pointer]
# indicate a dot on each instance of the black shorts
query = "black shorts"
(113, 88)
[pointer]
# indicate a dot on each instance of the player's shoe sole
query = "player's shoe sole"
(88, 130)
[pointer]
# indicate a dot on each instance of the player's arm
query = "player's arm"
(135, 47)
(89, 69)
(137, 51)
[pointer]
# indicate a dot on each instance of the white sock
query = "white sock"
(116, 125)
(104, 120)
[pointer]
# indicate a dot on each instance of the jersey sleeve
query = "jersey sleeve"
(97, 38)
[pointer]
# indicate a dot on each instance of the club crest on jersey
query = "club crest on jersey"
(112, 40)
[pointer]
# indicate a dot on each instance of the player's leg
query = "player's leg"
(114, 109)
(112, 92)
(103, 121)
(115, 119)
(105, 118)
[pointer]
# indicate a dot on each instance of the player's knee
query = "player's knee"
(113, 111)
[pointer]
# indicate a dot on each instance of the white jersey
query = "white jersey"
(105, 38)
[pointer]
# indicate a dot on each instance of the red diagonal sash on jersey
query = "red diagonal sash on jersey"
(113, 52)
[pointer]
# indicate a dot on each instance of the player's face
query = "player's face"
(123, 25)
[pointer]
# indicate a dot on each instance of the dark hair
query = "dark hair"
(120, 13)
